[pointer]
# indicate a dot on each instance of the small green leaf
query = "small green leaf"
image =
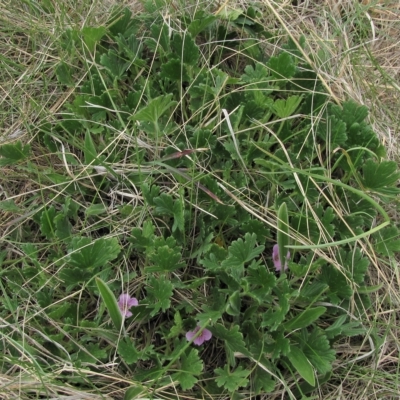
(262, 281)
(233, 304)
(166, 205)
(59, 311)
(285, 108)
(73, 276)
(92, 35)
(127, 350)
(84, 253)
(247, 250)
(200, 24)
(379, 175)
(155, 109)
(9, 206)
(47, 225)
(111, 304)
(301, 364)
(63, 227)
(159, 293)
(90, 149)
(232, 337)
(190, 367)
(232, 380)
(120, 21)
(318, 351)
(135, 393)
(13, 153)
(177, 328)
(115, 65)
(306, 318)
(165, 259)
(282, 66)
(64, 75)
(387, 241)
(95, 209)
(185, 48)
(229, 13)
(276, 315)
(174, 70)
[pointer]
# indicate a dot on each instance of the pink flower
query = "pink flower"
(277, 261)
(203, 337)
(125, 302)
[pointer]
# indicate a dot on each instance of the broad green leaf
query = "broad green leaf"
(74, 276)
(350, 112)
(47, 225)
(234, 303)
(278, 345)
(387, 241)
(9, 206)
(354, 264)
(160, 34)
(301, 364)
(63, 227)
(177, 328)
(262, 381)
(247, 250)
(306, 318)
(89, 149)
(111, 304)
(13, 153)
(379, 175)
(92, 35)
(282, 66)
(286, 107)
(60, 310)
(283, 233)
(120, 21)
(166, 205)
(229, 13)
(185, 48)
(159, 293)
(190, 367)
(64, 75)
(232, 380)
(165, 259)
(317, 349)
(333, 132)
(276, 315)
(233, 338)
(200, 24)
(261, 281)
(136, 392)
(115, 65)
(127, 350)
(174, 70)
(95, 209)
(84, 253)
(338, 286)
(155, 109)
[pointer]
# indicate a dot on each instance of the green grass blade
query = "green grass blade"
(111, 304)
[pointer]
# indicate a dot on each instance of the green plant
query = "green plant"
(226, 150)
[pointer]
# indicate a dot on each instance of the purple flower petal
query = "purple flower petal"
(276, 260)
(125, 302)
(190, 335)
(132, 302)
(198, 341)
(203, 337)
